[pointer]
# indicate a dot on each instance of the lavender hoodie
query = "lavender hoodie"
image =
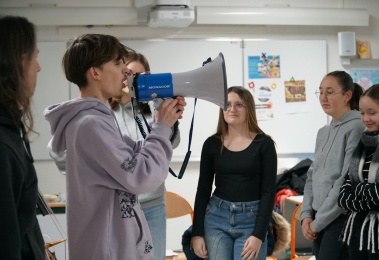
(105, 171)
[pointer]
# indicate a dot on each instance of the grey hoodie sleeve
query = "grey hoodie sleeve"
(330, 209)
(306, 208)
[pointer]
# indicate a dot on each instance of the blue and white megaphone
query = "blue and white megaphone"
(207, 83)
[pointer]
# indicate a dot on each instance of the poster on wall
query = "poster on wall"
(365, 78)
(263, 102)
(295, 96)
(264, 66)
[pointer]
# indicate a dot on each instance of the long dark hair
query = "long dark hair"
(373, 93)
(18, 38)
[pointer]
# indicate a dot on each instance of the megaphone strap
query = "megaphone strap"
(143, 133)
(188, 154)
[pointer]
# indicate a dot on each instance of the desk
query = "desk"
(57, 207)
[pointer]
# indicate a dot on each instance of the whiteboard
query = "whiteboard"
(292, 125)
(293, 133)
(185, 55)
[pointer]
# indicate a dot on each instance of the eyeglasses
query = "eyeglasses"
(130, 73)
(237, 106)
(327, 94)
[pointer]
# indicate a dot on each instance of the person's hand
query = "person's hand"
(182, 102)
(199, 248)
(251, 248)
(170, 111)
(308, 231)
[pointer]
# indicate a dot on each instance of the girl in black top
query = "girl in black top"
(20, 235)
(232, 222)
(360, 192)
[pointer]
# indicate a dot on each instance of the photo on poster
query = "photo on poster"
(295, 96)
(264, 66)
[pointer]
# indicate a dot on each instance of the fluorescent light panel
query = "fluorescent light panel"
(282, 16)
(68, 16)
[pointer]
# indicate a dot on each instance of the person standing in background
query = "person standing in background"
(359, 193)
(105, 169)
(232, 222)
(322, 219)
(20, 234)
(153, 203)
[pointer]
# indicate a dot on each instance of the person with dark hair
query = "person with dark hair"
(20, 234)
(322, 219)
(105, 169)
(153, 202)
(232, 222)
(359, 193)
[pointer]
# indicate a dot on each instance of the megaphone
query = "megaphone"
(207, 83)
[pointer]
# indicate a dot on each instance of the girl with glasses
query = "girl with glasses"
(240, 158)
(322, 219)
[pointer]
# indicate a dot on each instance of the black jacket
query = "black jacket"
(20, 234)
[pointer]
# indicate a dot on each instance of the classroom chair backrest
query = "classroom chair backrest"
(295, 218)
(177, 206)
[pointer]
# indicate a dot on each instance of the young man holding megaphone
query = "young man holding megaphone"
(105, 170)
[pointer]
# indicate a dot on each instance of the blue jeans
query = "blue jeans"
(227, 226)
(156, 219)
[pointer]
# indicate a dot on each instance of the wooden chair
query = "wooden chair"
(177, 206)
(295, 218)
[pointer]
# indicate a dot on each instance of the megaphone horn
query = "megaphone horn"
(207, 83)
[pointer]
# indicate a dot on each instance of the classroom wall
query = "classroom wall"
(53, 182)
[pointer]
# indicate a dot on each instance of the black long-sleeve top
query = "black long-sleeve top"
(20, 235)
(243, 176)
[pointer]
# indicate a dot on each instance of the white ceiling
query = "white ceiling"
(128, 18)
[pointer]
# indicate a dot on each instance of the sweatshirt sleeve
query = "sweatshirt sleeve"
(358, 196)
(352, 196)
(306, 208)
(138, 167)
(329, 209)
(204, 188)
(268, 184)
(10, 188)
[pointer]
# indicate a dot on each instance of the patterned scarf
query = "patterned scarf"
(368, 142)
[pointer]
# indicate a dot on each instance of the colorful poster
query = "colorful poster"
(365, 78)
(264, 66)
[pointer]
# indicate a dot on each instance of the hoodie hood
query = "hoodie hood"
(59, 115)
(347, 117)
